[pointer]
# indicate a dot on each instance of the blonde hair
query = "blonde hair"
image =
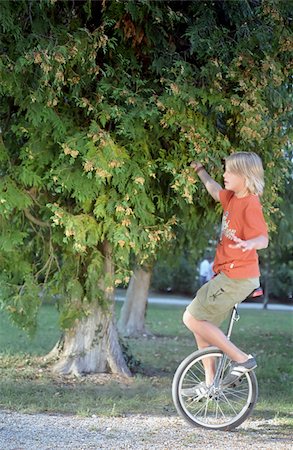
(249, 165)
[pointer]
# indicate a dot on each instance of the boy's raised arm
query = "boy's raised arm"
(211, 185)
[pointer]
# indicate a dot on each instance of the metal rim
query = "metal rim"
(221, 408)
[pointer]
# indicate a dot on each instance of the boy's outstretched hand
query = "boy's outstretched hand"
(256, 243)
(245, 245)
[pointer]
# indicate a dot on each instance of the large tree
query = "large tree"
(103, 106)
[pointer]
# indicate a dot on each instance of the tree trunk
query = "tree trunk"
(92, 344)
(132, 316)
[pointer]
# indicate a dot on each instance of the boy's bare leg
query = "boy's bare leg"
(208, 363)
(212, 335)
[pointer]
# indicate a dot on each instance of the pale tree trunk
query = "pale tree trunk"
(92, 344)
(133, 312)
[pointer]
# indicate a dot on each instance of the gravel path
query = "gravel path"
(137, 432)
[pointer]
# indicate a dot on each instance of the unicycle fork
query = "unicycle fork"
(223, 363)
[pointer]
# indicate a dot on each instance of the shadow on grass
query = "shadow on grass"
(275, 430)
(271, 414)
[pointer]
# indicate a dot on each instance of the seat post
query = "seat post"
(233, 318)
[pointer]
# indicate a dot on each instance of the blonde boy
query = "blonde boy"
(244, 231)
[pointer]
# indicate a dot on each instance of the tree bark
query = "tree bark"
(92, 344)
(132, 316)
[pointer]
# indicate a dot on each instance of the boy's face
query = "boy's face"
(234, 182)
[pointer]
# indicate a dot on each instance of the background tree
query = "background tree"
(104, 104)
(277, 262)
(133, 312)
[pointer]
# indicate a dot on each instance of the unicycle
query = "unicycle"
(220, 408)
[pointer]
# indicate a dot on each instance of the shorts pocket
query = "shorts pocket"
(215, 294)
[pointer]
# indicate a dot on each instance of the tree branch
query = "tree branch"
(33, 219)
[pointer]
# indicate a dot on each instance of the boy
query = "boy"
(236, 262)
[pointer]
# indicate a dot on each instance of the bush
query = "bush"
(181, 276)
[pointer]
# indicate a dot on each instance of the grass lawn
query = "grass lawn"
(27, 384)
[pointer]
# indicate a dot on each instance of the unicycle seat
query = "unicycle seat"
(258, 292)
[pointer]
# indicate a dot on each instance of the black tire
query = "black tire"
(223, 408)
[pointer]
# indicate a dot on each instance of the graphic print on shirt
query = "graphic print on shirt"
(225, 230)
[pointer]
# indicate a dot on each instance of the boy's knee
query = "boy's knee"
(191, 322)
(187, 319)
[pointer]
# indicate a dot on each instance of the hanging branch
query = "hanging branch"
(33, 219)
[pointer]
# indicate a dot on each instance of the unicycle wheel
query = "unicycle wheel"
(221, 408)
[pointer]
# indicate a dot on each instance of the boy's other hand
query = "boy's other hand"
(196, 165)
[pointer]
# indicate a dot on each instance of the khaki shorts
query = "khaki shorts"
(215, 299)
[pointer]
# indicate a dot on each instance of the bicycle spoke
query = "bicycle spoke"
(191, 378)
(230, 404)
(239, 395)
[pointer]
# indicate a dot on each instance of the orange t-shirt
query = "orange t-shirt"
(244, 219)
